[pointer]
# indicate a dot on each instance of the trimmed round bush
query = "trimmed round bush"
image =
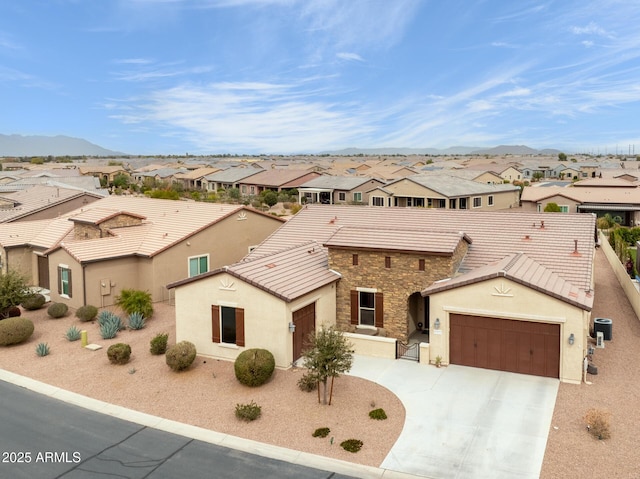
(254, 367)
(181, 355)
(57, 310)
(158, 345)
(86, 313)
(15, 330)
(33, 302)
(119, 353)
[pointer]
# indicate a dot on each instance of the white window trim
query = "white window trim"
(371, 198)
(473, 201)
(358, 193)
(565, 206)
(491, 200)
(64, 266)
(366, 290)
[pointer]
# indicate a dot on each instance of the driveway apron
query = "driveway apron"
(464, 422)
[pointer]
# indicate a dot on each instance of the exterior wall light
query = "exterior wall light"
(436, 325)
(572, 339)
(292, 327)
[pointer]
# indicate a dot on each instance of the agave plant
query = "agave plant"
(73, 334)
(109, 329)
(42, 349)
(136, 320)
(104, 316)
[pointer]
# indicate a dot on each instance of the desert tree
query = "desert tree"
(328, 356)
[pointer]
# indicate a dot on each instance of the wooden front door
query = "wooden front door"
(43, 272)
(506, 345)
(305, 323)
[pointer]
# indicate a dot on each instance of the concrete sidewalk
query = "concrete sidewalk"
(465, 422)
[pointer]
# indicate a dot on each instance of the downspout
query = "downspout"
(84, 285)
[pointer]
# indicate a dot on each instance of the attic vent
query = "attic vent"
(542, 225)
(575, 251)
(333, 220)
(312, 250)
(271, 265)
(527, 238)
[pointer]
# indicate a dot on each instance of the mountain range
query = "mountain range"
(35, 145)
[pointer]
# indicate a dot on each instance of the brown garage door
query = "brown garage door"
(506, 345)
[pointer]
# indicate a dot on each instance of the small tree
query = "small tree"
(562, 157)
(329, 355)
(270, 198)
(552, 208)
(13, 290)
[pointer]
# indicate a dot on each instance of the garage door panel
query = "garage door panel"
(508, 345)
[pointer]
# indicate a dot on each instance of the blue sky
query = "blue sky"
(304, 76)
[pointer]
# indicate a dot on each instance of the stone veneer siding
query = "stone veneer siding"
(396, 284)
(91, 231)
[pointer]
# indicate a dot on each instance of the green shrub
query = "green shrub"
(136, 321)
(158, 345)
(15, 330)
(378, 414)
(57, 310)
(351, 445)
(119, 353)
(307, 383)
(248, 412)
(42, 349)
(321, 432)
(34, 301)
(254, 367)
(72, 334)
(86, 313)
(135, 301)
(181, 355)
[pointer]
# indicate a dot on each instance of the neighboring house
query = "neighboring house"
(195, 179)
(621, 201)
(167, 175)
(484, 289)
(511, 174)
(43, 202)
(106, 173)
(229, 178)
(275, 180)
(330, 190)
(446, 192)
(90, 255)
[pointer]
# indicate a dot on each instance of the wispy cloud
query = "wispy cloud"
(134, 61)
(149, 71)
(591, 29)
(349, 56)
(249, 117)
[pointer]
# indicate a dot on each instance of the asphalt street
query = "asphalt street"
(42, 438)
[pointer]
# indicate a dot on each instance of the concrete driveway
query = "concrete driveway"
(465, 422)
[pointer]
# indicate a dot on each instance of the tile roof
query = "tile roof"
(38, 198)
(275, 177)
(396, 239)
(164, 223)
(336, 182)
(452, 186)
(600, 195)
(494, 235)
(232, 175)
(167, 222)
(520, 269)
(307, 263)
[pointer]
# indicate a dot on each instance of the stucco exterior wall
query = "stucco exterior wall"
(62, 258)
(18, 259)
(266, 318)
(518, 303)
(397, 283)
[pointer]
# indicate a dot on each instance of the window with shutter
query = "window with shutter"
(227, 325)
(64, 281)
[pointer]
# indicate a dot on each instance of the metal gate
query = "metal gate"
(408, 351)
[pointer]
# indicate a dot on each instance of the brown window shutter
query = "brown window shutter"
(379, 311)
(354, 259)
(421, 265)
(387, 261)
(59, 280)
(354, 306)
(215, 323)
(239, 326)
(70, 284)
